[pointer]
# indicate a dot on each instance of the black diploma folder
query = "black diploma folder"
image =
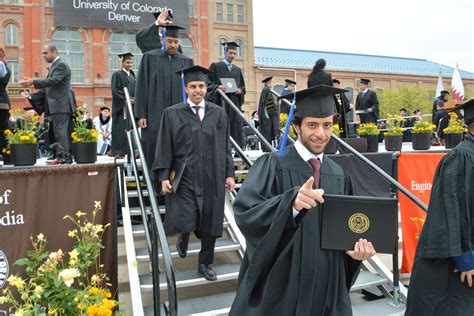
(176, 173)
(346, 218)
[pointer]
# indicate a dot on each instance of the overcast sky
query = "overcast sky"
(437, 30)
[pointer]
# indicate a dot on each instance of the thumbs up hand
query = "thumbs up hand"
(307, 197)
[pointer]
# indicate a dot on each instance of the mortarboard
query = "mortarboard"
(157, 14)
(194, 73)
(102, 108)
(336, 81)
(317, 101)
(289, 81)
(267, 79)
(468, 107)
(364, 81)
(125, 56)
(171, 31)
(230, 45)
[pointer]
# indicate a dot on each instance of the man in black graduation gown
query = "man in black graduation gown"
(290, 87)
(123, 78)
(285, 271)
(158, 87)
(227, 69)
(342, 106)
(196, 134)
(443, 272)
(367, 101)
(268, 112)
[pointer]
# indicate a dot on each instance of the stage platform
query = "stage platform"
(42, 162)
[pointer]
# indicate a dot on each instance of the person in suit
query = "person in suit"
(228, 69)
(290, 87)
(342, 107)
(367, 101)
(5, 74)
(318, 75)
(57, 95)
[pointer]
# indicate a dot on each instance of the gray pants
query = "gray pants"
(61, 123)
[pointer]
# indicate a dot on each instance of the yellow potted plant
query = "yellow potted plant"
(63, 282)
(454, 132)
(371, 132)
(421, 135)
(23, 138)
(84, 139)
(393, 137)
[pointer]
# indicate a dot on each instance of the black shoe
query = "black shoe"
(182, 244)
(207, 272)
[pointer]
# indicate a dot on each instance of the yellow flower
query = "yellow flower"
(7, 132)
(81, 306)
(68, 275)
(109, 304)
(3, 299)
(52, 312)
(40, 237)
(16, 281)
(9, 152)
(25, 138)
(79, 214)
(72, 233)
(38, 291)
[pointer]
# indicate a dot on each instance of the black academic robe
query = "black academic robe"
(284, 107)
(269, 115)
(448, 232)
(158, 87)
(342, 106)
(220, 70)
(204, 147)
(148, 39)
(369, 100)
(120, 80)
(441, 120)
(284, 271)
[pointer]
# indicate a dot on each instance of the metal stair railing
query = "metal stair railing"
(154, 229)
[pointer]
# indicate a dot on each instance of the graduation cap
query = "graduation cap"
(317, 101)
(230, 45)
(102, 108)
(171, 31)
(157, 14)
(194, 73)
(289, 81)
(468, 111)
(364, 81)
(125, 56)
(267, 79)
(336, 81)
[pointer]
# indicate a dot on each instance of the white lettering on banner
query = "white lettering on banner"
(123, 17)
(421, 187)
(4, 197)
(86, 4)
(3, 269)
(10, 219)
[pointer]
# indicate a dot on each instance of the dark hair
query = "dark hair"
(253, 113)
(52, 48)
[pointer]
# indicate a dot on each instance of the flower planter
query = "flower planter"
(84, 152)
(372, 143)
(24, 154)
(359, 144)
(331, 147)
(452, 140)
(421, 141)
(393, 142)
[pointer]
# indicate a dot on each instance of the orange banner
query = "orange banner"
(415, 172)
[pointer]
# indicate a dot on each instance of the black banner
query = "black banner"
(121, 14)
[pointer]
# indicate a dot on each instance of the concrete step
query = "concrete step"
(139, 231)
(219, 303)
(188, 278)
(380, 307)
(222, 245)
(367, 279)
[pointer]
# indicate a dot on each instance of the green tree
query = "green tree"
(411, 98)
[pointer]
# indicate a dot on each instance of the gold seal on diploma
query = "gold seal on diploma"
(229, 85)
(359, 223)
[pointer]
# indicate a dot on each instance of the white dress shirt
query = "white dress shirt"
(202, 108)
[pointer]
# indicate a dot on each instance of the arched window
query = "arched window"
(240, 49)
(220, 46)
(122, 42)
(11, 34)
(187, 47)
(71, 48)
